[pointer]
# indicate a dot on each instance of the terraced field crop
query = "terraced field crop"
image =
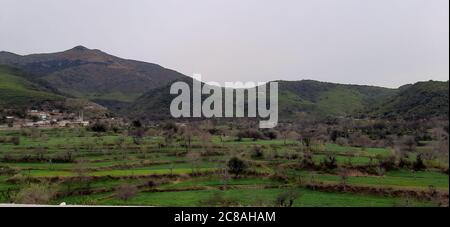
(82, 167)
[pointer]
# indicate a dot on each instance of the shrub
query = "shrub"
(35, 194)
(419, 165)
(15, 140)
(280, 175)
(6, 170)
(136, 124)
(215, 131)
(329, 162)
(307, 161)
(250, 133)
(98, 127)
(405, 163)
(409, 142)
(287, 198)
(126, 192)
(257, 152)
(342, 141)
(170, 127)
(388, 163)
(344, 175)
(362, 141)
(271, 134)
(236, 166)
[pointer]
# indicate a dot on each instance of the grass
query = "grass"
(102, 156)
(247, 197)
(216, 182)
(15, 90)
(400, 178)
(340, 102)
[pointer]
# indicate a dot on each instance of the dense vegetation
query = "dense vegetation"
(418, 101)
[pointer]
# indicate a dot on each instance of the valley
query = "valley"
(108, 138)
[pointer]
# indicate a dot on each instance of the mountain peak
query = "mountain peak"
(80, 48)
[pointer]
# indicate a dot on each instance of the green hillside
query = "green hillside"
(312, 97)
(420, 100)
(328, 99)
(16, 91)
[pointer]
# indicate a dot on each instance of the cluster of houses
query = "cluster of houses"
(47, 119)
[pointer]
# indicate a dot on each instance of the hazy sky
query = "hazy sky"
(378, 42)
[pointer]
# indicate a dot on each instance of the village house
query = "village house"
(54, 118)
(41, 115)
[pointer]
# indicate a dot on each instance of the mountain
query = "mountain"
(322, 99)
(141, 90)
(85, 73)
(17, 92)
(327, 99)
(417, 101)
(312, 97)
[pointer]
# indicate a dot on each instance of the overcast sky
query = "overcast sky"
(377, 42)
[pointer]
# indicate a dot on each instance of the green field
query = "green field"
(100, 163)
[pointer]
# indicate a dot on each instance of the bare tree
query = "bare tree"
(126, 192)
(410, 143)
(344, 175)
(35, 194)
(194, 159)
(82, 171)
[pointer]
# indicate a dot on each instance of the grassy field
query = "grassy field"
(82, 167)
(248, 197)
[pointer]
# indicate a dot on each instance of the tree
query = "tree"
(35, 194)
(287, 198)
(329, 162)
(306, 141)
(409, 142)
(99, 127)
(307, 161)
(187, 134)
(205, 139)
(419, 165)
(194, 159)
(126, 192)
(236, 166)
(169, 137)
(138, 135)
(344, 174)
(136, 124)
(362, 141)
(82, 171)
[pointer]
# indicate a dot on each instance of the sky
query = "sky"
(373, 42)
